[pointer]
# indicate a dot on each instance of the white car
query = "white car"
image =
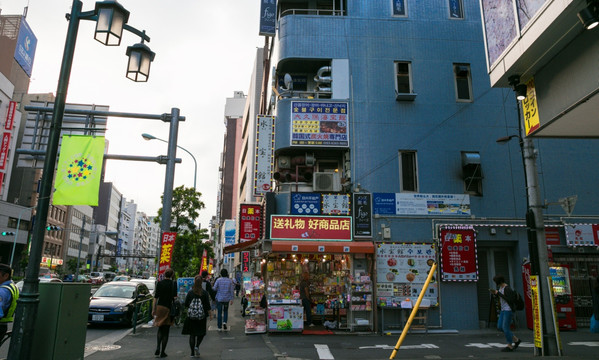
(151, 284)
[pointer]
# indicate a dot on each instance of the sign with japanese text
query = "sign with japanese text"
(166, 252)
(582, 234)
(268, 17)
(204, 265)
(421, 204)
(314, 228)
(305, 203)
(362, 205)
(530, 109)
(335, 204)
(265, 144)
(245, 261)
(250, 219)
(319, 123)
(536, 311)
(402, 269)
(458, 254)
(4, 146)
(25, 49)
(10, 115)
(552, 235)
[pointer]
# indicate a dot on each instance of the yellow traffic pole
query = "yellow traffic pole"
(414, 311)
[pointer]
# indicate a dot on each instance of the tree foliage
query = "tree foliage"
(189, 245)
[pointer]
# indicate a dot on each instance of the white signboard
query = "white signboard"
(265, 141)
(335, 204)
(582, 234)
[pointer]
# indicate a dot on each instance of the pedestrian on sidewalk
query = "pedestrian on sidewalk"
(197, 303)
(9, 293)
(304, 289)
(166, 293)
(207, 286)
(507, 299)
(225, 294)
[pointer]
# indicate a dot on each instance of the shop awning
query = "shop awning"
(340, 247)
(240, 246)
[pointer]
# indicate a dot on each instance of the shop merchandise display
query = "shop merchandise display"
(254, 290)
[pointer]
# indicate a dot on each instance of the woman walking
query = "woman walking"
(197, 303)
(225, 293)
(507, 298)
(166, 292)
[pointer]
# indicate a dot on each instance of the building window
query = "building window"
(472, 173)
(463, 82)
(399, 8)
(408, 171)
(456, 10)
(403, 83)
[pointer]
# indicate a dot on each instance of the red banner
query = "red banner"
(4, 149)
(204, 261)
(312, 228)
(166, 252)
(250, 218)
(458, 254)
(10, 115)
(245, 261)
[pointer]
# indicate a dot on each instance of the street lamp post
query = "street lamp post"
(14, 244)
(111, 19)
(195, 173)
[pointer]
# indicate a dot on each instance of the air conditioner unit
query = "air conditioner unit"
(327, 181)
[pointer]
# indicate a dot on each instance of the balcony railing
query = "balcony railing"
(295, 94)
(317, 12)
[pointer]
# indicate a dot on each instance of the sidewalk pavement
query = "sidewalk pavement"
(235, 344)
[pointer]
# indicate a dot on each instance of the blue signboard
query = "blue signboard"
(119, 247)
(184, 285)
(305, 203)
(25, 50)
(268, 17)
(383, 203)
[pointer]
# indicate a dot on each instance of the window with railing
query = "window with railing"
(318, 8)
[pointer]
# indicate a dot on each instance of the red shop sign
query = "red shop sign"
(290, 227)
(458, 255)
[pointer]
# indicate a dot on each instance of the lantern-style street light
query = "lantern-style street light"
(111, 19)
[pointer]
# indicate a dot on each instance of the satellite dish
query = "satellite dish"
(288, 81)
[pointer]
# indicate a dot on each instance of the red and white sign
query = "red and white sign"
(250, 218)
(582, 234)
(1, 180)
(552, 235)
(290, 227)
(4, 146)
(458, 254)
(10, 115)
(204, 261)
(245, 261)
(166, 252)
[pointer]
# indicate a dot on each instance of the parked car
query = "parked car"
(151, 284)
(116, 302)
(98, 280)
(122, 278)
(109, 276)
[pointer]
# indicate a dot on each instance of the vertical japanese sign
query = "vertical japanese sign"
(268, 12)
(250, 219)
(265, 145)
(530, 109)
(210, 265)
(204, 261)
(319, 123)
(362, 204)
(245, 261)
(4, 146)
(458, 254)
(536, 311)
(10, 115)
(166, 252)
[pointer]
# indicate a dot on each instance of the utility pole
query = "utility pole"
(80, 244)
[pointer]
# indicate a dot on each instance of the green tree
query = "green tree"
(189, 245)
(72, 266)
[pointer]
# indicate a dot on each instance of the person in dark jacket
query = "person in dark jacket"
(166, 292)
(507, 299)
(196, 328)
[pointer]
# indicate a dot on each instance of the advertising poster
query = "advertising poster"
(265, 141)
(457, 246)
(335, 204)
(582, 234)
(536, 311)
(184, 285)
(530, 109)
(166, 252)
(268, 17)
(305, 204)
(402, 270)
(250, 219)
(229, 232)
(362, 213)
(319, 123)
(315, 228)
(421, 204)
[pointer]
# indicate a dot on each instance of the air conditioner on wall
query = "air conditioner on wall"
(327, 181)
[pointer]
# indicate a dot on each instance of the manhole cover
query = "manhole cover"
(102, 347)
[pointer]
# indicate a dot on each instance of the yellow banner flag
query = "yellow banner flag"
(79, 170)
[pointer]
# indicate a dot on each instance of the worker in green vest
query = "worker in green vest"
(9, 293)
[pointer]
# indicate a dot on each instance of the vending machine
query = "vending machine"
(564, 301)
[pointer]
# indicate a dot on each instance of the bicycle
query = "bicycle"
(5, 338)
(180, 318)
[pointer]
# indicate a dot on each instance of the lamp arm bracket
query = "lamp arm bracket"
(167, 117)
(86, 15)
(141, 34)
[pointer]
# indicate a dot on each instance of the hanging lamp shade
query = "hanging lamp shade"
(140, 59)
(112, 17)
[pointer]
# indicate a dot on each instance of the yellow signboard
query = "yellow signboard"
(536, 311)
(530, 109)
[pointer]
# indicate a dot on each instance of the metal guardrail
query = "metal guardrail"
(317, 12)
(148, 314)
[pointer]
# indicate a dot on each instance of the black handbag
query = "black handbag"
(175, 308)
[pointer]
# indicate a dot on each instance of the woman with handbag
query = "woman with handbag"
(166, 293)
(197, 303)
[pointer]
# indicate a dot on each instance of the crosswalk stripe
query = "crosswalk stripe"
(323, 352)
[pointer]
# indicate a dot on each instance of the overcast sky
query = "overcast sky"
(205, 51)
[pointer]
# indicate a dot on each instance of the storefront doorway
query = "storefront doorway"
(491, 261)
